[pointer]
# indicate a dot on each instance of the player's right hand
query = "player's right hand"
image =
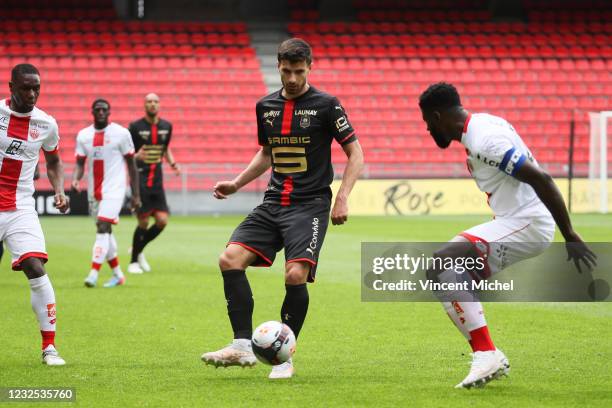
(141, 154)
(75, 185)
(578, 251)
(224, 188)
(61, 202)
(135, 203)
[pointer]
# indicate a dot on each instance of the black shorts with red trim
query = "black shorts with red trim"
(299, 229)
(153, 200)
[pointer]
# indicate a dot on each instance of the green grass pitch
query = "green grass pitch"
(140, 344)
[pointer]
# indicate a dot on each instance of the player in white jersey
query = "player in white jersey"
(526, 203)
(107, 147)
(24, 130)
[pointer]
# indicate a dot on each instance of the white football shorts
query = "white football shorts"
(506, 241)
(21, 232)
(106, 210)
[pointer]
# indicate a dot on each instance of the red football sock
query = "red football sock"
(48, 338)
(113, 263)
(481, 340)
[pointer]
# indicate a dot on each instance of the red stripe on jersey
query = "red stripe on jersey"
(18, 127)
(286, 130)
(98, 167)
(286, 193)
(9, 177)
(287, 117)
(11, 169)
(151, 176)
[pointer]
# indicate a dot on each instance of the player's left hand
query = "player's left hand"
(61, 202)
(135, 203)
(339, 213)
(177, 169)
(578, 251)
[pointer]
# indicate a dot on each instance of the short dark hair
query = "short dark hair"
(441, 96)
(295, 50)
(100, 100)
(23, 69)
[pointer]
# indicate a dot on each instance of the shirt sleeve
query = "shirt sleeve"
(127, 145)
(169, 134)
(133, 129)
(261, 134)
(51, 145)
(501, 153)
(80, 147)
(339, 124)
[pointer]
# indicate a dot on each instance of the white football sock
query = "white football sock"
(244, 344)
(111, 256)
(452, 313)
(112, 247)
(43, 302)
(473, 315)
(100, 248)
(462, 306)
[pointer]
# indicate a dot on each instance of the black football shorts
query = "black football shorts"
(152, 201)
(299, 228)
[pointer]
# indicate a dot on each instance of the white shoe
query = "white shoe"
(486, 366)
(91, 279)
(236, 354)
(504, 362)
(142, 261)
(115, 281)
(134, 267)
(284, 370)
(51, 357)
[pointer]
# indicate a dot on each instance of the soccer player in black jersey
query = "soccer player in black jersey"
(151, 136)
(296, 127)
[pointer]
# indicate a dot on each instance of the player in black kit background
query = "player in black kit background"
(296, 127)
(151, 136)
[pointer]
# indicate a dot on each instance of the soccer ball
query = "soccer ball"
(273, 342)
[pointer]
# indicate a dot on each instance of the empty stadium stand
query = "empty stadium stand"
(538, 73)
(206, 74)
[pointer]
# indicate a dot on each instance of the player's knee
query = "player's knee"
(33, 267)
(143, 223)
(228, 260)
(161, 222)
(454, 249)
(296, 273)
(103, 227)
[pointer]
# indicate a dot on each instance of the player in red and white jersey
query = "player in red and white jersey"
(24, 130)
(526, 203)
(107, 147)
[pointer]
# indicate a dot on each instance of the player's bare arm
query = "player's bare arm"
(260, 163)
(133, 172)
(353, 151)
(78, 172)
(170, 159)
(549, 194)
(55, 172)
